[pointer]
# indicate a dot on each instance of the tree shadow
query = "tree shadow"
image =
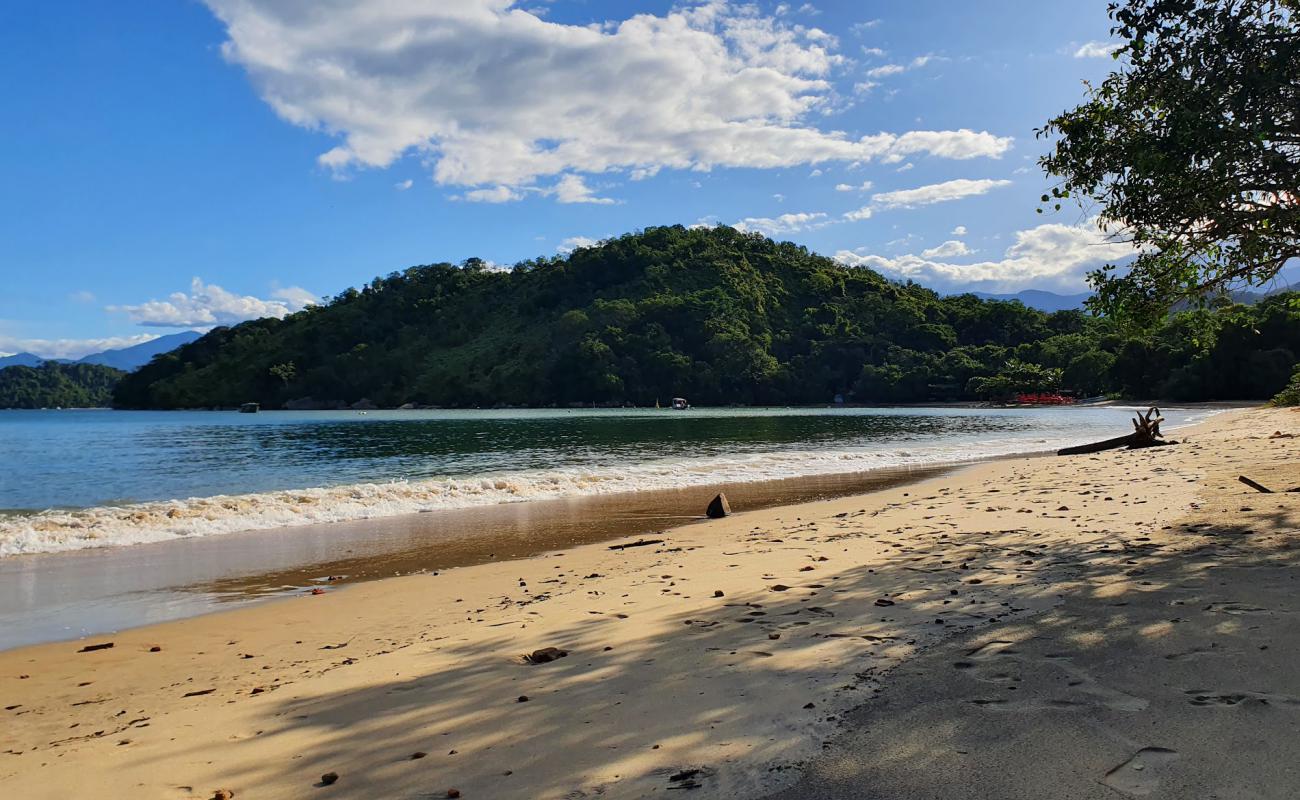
(751, 690)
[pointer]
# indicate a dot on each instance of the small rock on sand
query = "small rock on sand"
(718, 507)
(545, 655)
(223, 794)
(329, 778)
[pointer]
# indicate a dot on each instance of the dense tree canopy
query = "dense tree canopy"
(715, 315)
(1191, 148)
(54, 385)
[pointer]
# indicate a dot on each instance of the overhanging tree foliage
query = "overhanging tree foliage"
(1191, 148)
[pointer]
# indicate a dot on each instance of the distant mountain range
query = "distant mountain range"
(126, 359)
(1051, 301)
(1041, 300)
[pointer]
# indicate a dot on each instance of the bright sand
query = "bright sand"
(818, 603)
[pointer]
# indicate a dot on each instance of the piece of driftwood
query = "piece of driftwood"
(637, 543)
(1146, 433)
(1256, 486)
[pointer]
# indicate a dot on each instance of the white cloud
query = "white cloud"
(1051, 256)
(207, 305)
(948, 249)
(786, 223)
(496, 194)
(936, 193)
(873, 52)
(906, 167)
(862, 27)
(574, 242)
(402, 186)
(1097, 49)
(573, 189)
(495, 98)
(859, 214)
(69, 348)
(846, 187)
(82, 297)
(885, 70)
(960, 230)
(296, 298)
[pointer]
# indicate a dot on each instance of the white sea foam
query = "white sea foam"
(140, 523)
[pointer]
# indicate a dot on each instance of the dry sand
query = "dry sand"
(823, 606)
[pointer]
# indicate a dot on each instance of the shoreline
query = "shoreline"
(114, 589)
(35, 529)
(662, 676)
(73, 594)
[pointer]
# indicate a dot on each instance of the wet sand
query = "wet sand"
(728, 656)
(56, 596)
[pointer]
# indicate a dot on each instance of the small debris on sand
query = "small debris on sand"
(545, 655)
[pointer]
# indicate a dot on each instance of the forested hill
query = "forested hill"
(712, 314)
(53, 385)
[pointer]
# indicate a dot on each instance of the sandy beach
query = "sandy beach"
(1081, 626)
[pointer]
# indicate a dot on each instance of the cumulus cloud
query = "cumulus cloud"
(573, 189)
(1097, 49)
(847, 187)
(207, 305)
(936, 193)
(69, 348)
(786, 223)
(574, 242)
(1049, 256)
(948, 249)
(960, 230)
(402, 186)
(495, 98)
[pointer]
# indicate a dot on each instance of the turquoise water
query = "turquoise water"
(74, 479)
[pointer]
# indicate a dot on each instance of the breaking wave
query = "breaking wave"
(58, 530)
(139, 523)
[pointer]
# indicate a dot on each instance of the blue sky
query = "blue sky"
(182, 164)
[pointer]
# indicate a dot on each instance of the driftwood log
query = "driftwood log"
(1146, 433)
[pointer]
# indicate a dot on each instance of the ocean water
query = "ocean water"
(78, 479)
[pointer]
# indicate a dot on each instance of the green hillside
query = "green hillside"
(712, 314)
(53, 385)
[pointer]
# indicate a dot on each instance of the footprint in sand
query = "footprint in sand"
(987, 664)
(1139, 776)
(1231, 607)
(1205, 697)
